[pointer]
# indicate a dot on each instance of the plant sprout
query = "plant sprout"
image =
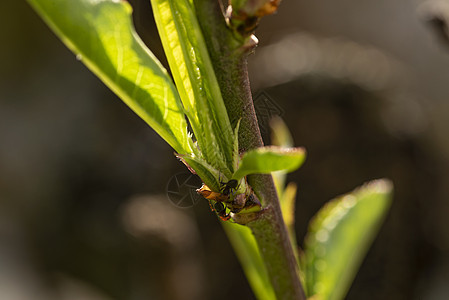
(207, 116)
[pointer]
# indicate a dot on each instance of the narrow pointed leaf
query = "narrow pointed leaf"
(235, 155)
(265, 160)
(287, 202)
(195, 78)
(339, 237)
(245, 246)
(101, 34)
(281, 137)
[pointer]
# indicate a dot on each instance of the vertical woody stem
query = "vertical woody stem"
(229, 56)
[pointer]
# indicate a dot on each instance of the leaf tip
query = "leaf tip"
(378, 186)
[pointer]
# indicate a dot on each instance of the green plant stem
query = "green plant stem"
(229, 56)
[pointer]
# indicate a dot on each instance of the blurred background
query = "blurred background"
(84, 211)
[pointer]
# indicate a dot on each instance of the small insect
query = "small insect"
(227, 187)
(219, 198)
(220, 209)
(223, 200)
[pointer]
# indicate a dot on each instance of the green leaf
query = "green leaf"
(101, 34)
(269, 159)
(195, 79)
(280, 136)
(287, 202)
(339, 237)
(245, 247)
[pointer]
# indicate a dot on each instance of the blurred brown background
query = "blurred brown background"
(83, 207)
